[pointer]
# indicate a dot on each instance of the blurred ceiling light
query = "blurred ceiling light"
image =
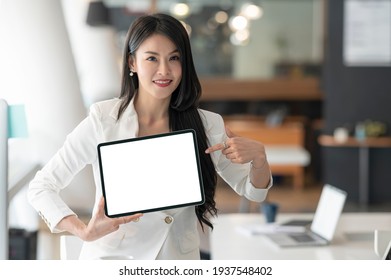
(251, 11)
(242, 35)
(180, 9)
(238, 23)
(221, 17)
(240, 38)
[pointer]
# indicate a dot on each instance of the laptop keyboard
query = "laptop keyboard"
(302, 238)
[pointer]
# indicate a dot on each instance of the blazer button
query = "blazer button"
(168, 220)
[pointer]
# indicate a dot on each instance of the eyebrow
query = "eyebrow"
(155, 53)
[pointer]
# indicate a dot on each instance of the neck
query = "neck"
(153, 117)
(151, 110)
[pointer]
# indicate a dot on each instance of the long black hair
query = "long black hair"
(183, 110)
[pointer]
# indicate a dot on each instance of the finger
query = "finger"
(101, 202)
(132, 218)
(214, 148)
(229, 132)
(101, 205)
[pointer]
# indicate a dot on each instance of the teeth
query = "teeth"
(162, 82)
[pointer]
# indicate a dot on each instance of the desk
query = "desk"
(363, 146)
(352, 240)
(19, 176)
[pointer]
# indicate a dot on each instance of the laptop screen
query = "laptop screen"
(387, 253)
(328, 211)
(150, 173)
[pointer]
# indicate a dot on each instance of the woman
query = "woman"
(160, 93)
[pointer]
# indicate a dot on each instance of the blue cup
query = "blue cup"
(270, 210)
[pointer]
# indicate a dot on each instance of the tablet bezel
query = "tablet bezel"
(146, 210)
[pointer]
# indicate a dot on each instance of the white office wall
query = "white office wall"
(38, 69)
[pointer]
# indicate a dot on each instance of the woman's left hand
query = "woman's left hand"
(241, 150)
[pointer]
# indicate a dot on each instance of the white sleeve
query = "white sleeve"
(78, 150)
(236, 175)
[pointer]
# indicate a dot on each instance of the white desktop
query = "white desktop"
(353, 240)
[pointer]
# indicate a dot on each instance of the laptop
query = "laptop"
(387, 252)
(151, 173)
(323, 225)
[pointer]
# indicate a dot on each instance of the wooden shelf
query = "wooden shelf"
(371, 142)
(228, 89)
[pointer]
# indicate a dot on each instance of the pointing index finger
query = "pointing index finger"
(214, 148)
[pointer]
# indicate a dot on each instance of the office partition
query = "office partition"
(3, 179)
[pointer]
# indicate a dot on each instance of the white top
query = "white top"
(159, 235)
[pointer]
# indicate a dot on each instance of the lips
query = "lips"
(162, 83)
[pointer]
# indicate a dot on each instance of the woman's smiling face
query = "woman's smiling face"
(157, 63)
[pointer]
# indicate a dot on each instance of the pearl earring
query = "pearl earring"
(131, 74)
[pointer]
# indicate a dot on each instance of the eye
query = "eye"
(151, 58)
(175, 58)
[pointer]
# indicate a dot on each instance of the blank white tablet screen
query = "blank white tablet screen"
(150, 173)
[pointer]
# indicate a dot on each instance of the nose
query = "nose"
(164, 68)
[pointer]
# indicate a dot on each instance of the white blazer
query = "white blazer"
(170, 234)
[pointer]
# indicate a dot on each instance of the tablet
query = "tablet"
(150, 173)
